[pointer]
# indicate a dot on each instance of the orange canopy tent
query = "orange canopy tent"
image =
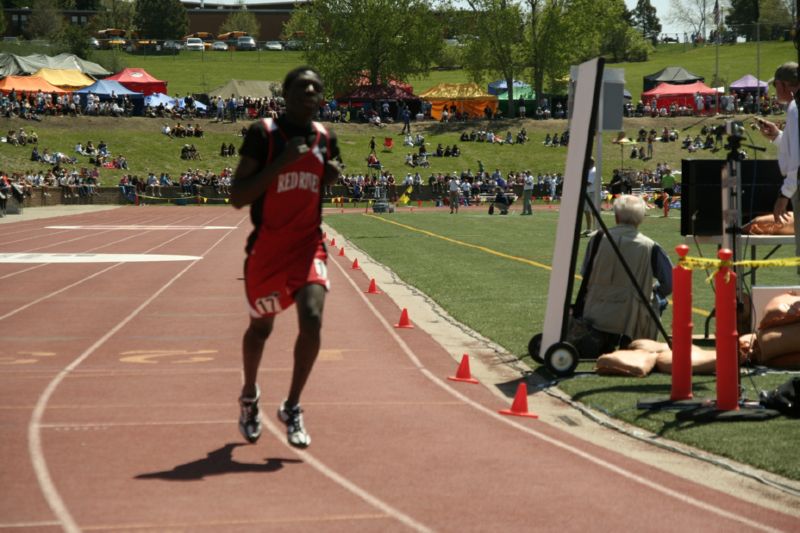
(28, 84)
(466, 97)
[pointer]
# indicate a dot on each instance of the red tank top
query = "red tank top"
(290, 210)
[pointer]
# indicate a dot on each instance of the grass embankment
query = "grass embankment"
(146, 148)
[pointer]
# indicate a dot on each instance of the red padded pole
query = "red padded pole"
(726, 334)
(681, 329)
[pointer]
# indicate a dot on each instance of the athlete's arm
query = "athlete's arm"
(252, 178)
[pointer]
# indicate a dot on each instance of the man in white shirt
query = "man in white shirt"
(453, 188)
(787, 84)
(527, 193)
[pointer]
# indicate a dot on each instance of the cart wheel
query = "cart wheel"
(535, 348)
(561, 359)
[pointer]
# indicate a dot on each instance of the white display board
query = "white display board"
(581, 133)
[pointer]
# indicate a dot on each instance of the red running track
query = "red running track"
(118, 387)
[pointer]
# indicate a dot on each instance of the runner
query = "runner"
(283, 164)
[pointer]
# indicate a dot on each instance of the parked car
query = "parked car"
(293, 45)
(173, 45)
(94, 43)
(194, 43)
(273, 45)
(245, 43)
(219, 45)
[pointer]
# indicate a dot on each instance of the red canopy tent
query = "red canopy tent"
(140, 81)
(681, 95)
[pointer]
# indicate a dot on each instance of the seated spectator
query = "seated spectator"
(198, 130)
(611, 304)
(166, 130)
(408, 140)
(556, 141)
(447, 151)
(102, 148)
(455, 151)
(547, 140)
(223, 151)
(35, 154)
(231, 150)
(501, 202)
(439, 151)
(372, 161)
(509, 138)
(409, 160)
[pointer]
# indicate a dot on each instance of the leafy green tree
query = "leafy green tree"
(241, 20)
(45, 21)
(379, 39)
(646, 20)
(114, 14)
(495, 43)
(75, 39)
(2, 23)
(773, 16)
(161, 19)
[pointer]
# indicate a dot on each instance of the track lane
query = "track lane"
(151, 431)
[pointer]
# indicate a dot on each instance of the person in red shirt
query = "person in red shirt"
(284, 164)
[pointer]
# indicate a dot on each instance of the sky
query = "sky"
(662, 10)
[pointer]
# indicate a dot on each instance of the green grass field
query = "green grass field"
(492, 274)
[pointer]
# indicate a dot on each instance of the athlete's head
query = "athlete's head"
(303, 91)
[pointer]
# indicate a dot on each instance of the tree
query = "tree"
(114, 14)
(379, 39)
(772, 16)
(242, 20)
(495, 43)
(45, 21)
(646, 20)
(693, 14)
(76, 40)
(2, 23)
(161, 19)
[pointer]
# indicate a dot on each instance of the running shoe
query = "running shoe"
(250, 417)
(295, 431)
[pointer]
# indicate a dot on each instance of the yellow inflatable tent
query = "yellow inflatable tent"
(466, 97)
(66, 79)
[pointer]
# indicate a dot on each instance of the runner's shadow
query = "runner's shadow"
(216, 463)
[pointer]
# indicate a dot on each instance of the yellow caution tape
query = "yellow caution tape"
(692, 263)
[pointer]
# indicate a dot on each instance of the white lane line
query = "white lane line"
(344, 482)
(555, 442)
(141, 227)
(27, 525)
(24, 270)
(84, 257)
(35, 450)
(87, 278)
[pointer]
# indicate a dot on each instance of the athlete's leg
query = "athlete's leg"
(252, 349)
(309, 299)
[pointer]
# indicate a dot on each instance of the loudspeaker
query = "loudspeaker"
(701, 193)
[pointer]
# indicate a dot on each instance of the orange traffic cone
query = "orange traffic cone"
(355, 265)
(520, 405)
(463, 373)
(404, 321)
(373, 287)
(333, 241)
(341, 251)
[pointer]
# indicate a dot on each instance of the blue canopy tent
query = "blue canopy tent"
(499, 86)
(200, 106)
(156, 99)
(106, 88)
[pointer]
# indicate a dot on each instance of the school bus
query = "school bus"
(111, 37)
